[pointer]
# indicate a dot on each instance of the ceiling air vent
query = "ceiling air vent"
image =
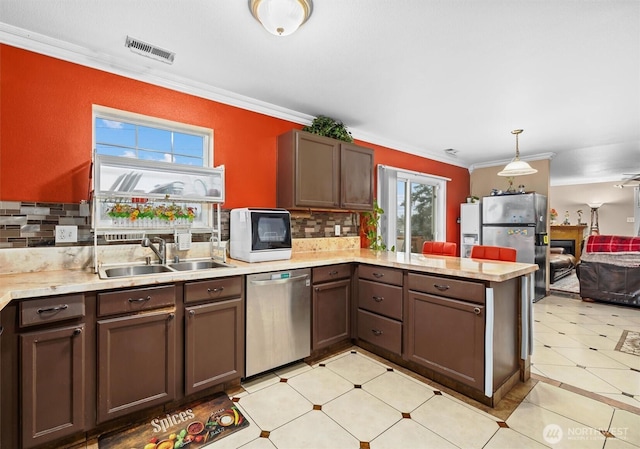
(151, 51)
(451, 152)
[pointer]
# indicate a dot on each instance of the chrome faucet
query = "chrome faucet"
(161, 251)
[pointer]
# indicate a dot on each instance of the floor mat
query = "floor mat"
(629, 343)
(189, 426)
(568, 284)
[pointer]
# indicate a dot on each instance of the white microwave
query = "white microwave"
(258, 235)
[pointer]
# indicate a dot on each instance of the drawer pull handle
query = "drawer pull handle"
(215, 290)
(378, 298)
(140, 299)
(442, 288)
(192, 312)
(333, 273)
(378, 275)
(77, 331)
(376, 332)
(477, 310)
(171, 316)
(53, 309)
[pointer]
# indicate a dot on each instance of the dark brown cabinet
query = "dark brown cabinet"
(447, 336)
(52, 369)
(356, 177)
(137, 351)
(323, 173)
(214, 333)
(380, 307)
(444, 333)
(331, 303)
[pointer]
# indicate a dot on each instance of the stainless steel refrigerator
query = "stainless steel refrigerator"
(519, 221)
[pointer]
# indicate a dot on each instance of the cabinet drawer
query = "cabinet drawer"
(380, 274)
(380, 298)
(380, 331)
(50, 310)
(451, 288)
(331, 273)
(213, 289)
(136, 299)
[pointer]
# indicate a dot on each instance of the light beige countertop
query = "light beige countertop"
(64, 281)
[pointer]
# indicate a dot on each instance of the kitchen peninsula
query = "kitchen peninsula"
(402, 307)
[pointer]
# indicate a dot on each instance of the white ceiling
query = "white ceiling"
(420, 76)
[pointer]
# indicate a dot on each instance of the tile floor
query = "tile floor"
(585, 395)
(574, 343)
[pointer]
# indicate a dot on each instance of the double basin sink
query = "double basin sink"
(139, 270)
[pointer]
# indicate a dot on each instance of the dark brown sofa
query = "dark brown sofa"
(610, 272)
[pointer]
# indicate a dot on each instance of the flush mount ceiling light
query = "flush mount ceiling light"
(281, 17)
(517, 167)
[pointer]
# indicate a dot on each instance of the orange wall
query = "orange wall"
(45, 134)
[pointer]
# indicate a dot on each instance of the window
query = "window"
(415, 208)
(125, 134)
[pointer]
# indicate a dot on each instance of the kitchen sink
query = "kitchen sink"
(198, 265)
(139, 270)
(135, 270)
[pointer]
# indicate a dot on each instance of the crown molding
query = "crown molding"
(38, 43)
(404, 148)
(534, 157)
(45, 45)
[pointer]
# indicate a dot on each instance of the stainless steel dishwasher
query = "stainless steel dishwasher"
(278, 319)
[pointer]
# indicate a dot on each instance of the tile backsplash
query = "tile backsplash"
(322, 224)
(26, 224)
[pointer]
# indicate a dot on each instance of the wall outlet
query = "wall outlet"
(336, 229)
(66, 234)
(631, 219)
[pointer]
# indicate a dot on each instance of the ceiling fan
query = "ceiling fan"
(629, 180)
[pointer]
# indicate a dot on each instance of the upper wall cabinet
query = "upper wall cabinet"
(317, 172)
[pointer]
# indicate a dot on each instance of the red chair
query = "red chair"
(493, 253)
(440, 248)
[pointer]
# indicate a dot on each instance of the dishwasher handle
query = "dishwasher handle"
(279, 281)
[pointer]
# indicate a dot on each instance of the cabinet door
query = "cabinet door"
(331, 302)
(317, 177)
(356, 177)
(447, 335)
(136, 363)
(214, 344)
(53, 384)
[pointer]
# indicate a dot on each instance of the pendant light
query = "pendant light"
(517, 167)
(281, 17)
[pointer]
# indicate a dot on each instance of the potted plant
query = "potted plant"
(370, 222)
(328, 127)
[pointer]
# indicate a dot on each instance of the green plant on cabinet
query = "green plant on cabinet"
(328, 127)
